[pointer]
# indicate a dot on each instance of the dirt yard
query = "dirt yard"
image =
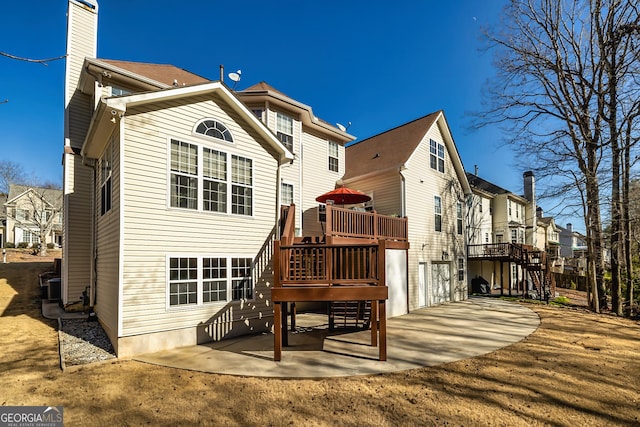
(577, 369)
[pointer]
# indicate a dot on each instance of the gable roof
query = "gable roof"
(392, 149)
(105, 114)
(50, 195)
(388, 150)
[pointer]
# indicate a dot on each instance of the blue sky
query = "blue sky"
(376, 64)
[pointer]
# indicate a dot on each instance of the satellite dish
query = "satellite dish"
(341, 127)
(235, 77)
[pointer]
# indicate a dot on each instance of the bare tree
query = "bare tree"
(10, 173)
(550, 75)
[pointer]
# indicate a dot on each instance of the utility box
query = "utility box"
(54, 289)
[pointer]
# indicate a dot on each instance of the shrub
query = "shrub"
(23, 245)
(10, 245)
(51, 245)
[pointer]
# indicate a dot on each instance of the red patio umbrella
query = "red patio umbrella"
(343, 196)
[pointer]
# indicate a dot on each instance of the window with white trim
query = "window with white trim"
(242, 185)
(333, 156)
(460, 269)
(184, 175)
(29, 236)
(284, 130)
(214, 129)
(183, 281)
(197, 280)
(227, 186)
(437, 208)
(514, 236)
(436, 151)
(459, 217)
(286, 194)
(106, 164)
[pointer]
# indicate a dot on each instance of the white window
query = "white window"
(183, 281)
(22, 214)
(184, 175)
(286, 194)
(214, 182)
(242, 185)
(514, 236)
(284, 130)
(438, 212)
(509, 207)
(227, 186)
(333, 157)
(106, 164)
(214, 129)
(118, 91)
(258, 112)
(29, 236)
(436, 155)
(460, 269)
(196, 280)
(459, 218)
(486, 237)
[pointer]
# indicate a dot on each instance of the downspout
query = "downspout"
(94, 235)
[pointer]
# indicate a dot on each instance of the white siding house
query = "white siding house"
(414, 170)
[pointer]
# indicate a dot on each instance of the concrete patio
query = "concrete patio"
(425, 337)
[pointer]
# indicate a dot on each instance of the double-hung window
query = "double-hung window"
(184, 175)
(286, 194)
(198, 280)
(460, 269)
(333, 157)
(436, 151)
(106, 162)
(459, 217)
(438, 212)
(214, 181)
(284, 130)
(242, 185)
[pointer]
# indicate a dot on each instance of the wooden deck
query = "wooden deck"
(535, 262)
(346, 264)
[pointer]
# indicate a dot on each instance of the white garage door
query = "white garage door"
(440, 283)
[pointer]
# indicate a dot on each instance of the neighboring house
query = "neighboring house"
(513, 222)
(549, 240)
(415, 171)
(572, 243)
(174, 238)
(32, 212)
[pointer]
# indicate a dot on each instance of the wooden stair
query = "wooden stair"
(350, 314)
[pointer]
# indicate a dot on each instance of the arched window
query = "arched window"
(214, 129)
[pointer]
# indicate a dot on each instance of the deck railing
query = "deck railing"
(523, 254)
(327, 265)
(342, 222)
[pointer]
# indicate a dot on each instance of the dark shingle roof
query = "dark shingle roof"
(163, 73)
(387, 150)
(484, 185)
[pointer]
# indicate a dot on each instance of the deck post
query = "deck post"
(374, 323)
(382, 351)
(277, 333)
(285, 329)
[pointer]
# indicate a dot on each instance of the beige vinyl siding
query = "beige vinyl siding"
(386, 189)
(78, 237)
(317, 179)
(108, 247)
(422, 184)
(152, 229)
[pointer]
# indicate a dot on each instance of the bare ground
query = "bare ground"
(577, 369)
